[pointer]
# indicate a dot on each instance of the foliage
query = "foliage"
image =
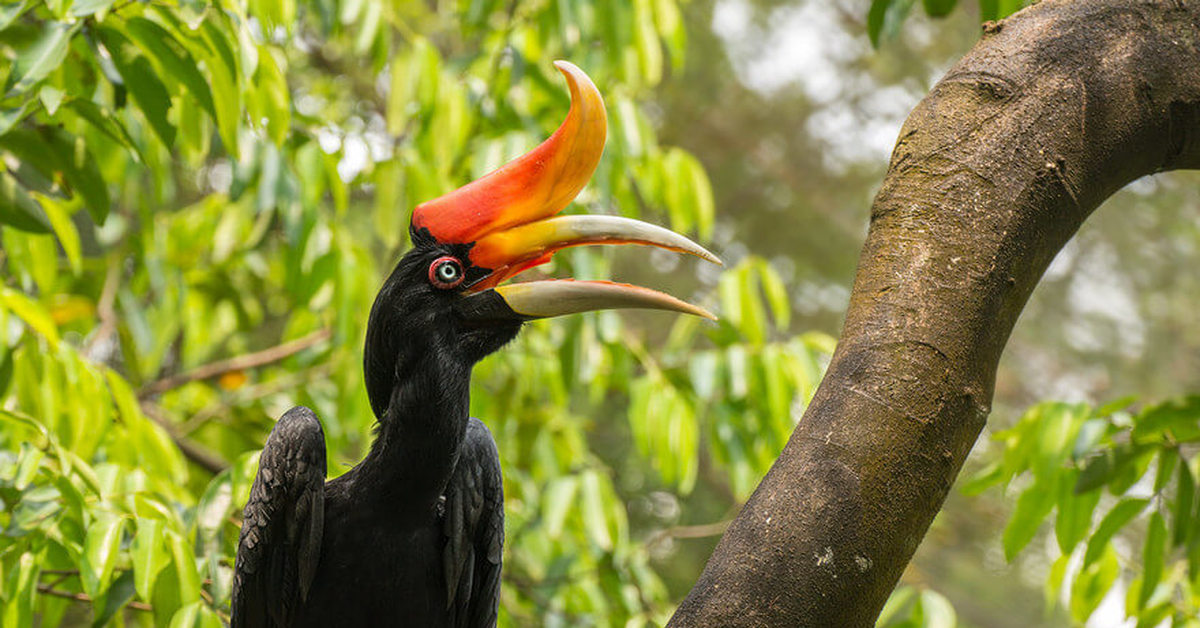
(199, 201)
(885, 17)
(1137, 468)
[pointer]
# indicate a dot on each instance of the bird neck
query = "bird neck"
(419, 435)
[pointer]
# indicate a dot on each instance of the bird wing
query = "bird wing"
(473, 525)
(280, 542)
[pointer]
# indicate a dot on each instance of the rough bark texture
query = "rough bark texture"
(1054, 109)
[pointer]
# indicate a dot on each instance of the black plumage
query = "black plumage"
(412, 535)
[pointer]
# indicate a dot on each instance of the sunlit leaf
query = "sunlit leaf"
(1112, 522)
(1152, 557)
(42, 57)
(149, 555)
(100, 552)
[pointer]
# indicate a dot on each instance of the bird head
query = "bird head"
(446, 293)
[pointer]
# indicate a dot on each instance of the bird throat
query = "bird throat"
(419, 435)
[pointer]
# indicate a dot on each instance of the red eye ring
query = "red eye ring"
(446, 272)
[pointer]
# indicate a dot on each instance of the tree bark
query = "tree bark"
(1056, 108)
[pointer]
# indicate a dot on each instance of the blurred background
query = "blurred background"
(229, 183)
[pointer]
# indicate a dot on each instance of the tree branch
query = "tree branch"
(87, 599)
(1054, 110)
(239, 363)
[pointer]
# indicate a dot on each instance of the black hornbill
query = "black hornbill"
(412, 535)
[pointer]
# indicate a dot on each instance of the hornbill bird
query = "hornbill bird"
(412, 535)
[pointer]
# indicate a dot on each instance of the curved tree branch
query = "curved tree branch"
(1054, 110)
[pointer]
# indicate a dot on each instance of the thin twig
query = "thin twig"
(104, 308)
(191, 450)
(238, 363)
(700, 531)
(251, 393)
(83, 597)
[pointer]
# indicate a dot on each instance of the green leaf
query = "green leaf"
(1032, 508)
(18, 209)
(107, 123)
(896, 602)
(1074, 516)
(225, 79)
(23, 581)
(100, 553)
(173, 59)
(558, 500)
(60, 218)
(117, 596)
(884, 18)
(1006, 8)
(42, 57)
(1181, 511)
(989, 9)
(10, 12)
(937, 610)
(10, 117)
(84, 8)
(593, 510)
(51, 98)
(1152, 557)
(273, 96)
(777, 296)
(1177, 420)
(139, 78)
(649, 49)
(1112, 523)
(939, 8)
(1093, 583)
(29, 311)
(149, 555)
(184, 561)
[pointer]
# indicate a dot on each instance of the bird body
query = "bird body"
(413, 534)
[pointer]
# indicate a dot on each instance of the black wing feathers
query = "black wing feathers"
(474, 530)
(280, 542)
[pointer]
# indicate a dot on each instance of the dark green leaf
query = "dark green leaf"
(139, 78)
(988, 9)
(67, 161)
(117, 596)
(939, 8)
(1178, 420)
(18, 209)
(1167, 459)
(1185, 496)
(1112, 523)
(1006, 8)
(885, 17)
(174, 61)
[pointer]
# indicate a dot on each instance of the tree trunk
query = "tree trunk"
(1053, 110)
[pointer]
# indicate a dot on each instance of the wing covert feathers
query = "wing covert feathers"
(474, 531)
(280, 542)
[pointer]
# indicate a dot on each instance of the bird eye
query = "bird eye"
(445, 273)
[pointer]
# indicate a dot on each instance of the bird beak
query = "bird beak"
(508, 221)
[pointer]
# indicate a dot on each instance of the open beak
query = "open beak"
(508, 222)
